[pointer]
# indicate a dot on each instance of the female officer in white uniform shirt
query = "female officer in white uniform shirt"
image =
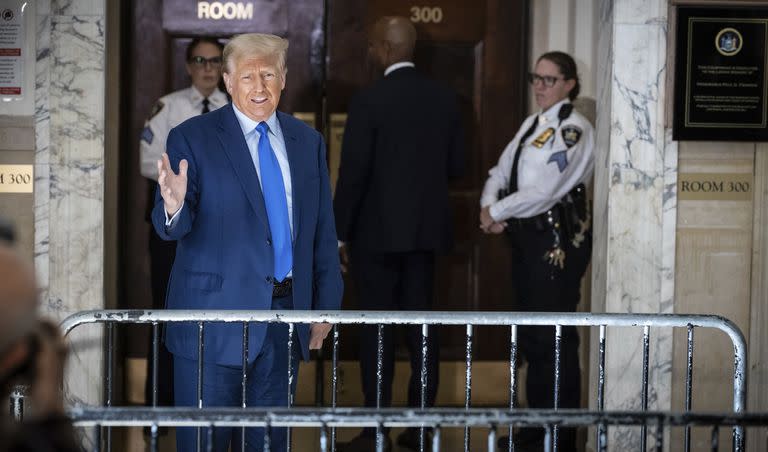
(536, 195)
(204, 68)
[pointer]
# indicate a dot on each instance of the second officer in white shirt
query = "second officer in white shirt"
(204, 68)
(536, 195)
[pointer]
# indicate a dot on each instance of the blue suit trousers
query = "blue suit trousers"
(267, 386)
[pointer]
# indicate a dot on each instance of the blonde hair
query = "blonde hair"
(255, 45)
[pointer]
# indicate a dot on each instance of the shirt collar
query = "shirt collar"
(216, 98)
(398, 65)
(247, 125)
(551, 113)
(195, 95)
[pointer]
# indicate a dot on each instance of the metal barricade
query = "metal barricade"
(437, 419)
(470, 320)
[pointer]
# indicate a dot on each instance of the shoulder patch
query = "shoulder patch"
(156, 109)
(146, 135)
(561, 158)
(571, 135)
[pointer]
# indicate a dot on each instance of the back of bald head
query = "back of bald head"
(400, 34)
(18, 292)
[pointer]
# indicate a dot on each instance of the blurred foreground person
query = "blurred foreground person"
(32, 353)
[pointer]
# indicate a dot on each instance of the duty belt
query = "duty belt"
(568, 220)
(539, 221)
(566, 214)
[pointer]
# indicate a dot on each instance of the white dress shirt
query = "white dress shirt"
(542, 181)
(248, 126)
(398, 65)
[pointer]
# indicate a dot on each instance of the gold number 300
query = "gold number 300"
(426, 14)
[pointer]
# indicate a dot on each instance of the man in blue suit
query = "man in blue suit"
(244, 191)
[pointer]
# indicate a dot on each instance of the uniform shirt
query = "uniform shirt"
(546, 171)
(168, 112)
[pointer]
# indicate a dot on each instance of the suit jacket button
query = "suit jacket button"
(268, 279)
(269, 242)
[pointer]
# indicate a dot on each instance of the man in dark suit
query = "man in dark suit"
(244, 191)
(402, 143)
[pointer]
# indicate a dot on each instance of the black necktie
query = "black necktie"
(205, 105)
(513, 173)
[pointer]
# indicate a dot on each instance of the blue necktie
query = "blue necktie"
(276, 203)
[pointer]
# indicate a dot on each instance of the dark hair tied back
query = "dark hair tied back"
(567, 67)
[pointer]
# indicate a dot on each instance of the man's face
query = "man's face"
(255, 85)
(547, 96)
(205, 73)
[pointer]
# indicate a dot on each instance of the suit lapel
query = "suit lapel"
(233, 142)
(294, 159)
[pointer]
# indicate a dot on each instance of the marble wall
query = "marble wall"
(568, 26)
(69, 176)
(635, 198)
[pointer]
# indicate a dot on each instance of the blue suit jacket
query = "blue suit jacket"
(224, 257)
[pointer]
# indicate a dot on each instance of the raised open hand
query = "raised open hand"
(173, 187)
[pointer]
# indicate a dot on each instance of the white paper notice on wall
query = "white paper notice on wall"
(12, 49)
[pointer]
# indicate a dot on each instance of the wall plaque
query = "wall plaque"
(720, 71)
(715, 186)
(16, 179)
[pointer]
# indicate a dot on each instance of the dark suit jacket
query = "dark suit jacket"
(402, 142)
(224, 257)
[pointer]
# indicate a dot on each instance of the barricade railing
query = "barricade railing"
(470, 320)
(438, 420)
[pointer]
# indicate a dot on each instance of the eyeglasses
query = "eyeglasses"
(547, 80)
(200, 62)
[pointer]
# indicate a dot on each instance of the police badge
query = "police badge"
(571, 135)
(542, 139)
